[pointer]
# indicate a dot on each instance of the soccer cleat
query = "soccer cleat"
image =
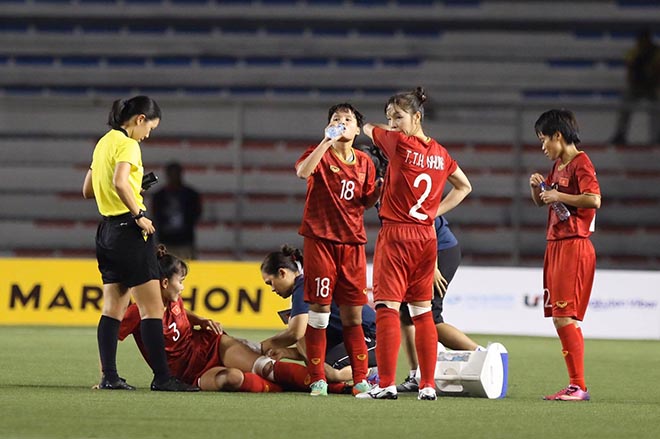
(120, 384)
(173, 385)
(570, 393)
(408, 385)
(427, 394)
(361, 387)
(319, 388)
(378, 392)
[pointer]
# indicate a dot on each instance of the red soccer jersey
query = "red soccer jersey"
(415, 178)
(176, 330)
(336, 197)
(578, 177)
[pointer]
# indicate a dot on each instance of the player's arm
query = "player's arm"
(461, 188)
(373, 197)
(88, 189)
(291, 353)
(535, 181)
(584, 201)
(368, 129)
(294, 332)
(306, 167)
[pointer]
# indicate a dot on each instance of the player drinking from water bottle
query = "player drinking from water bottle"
(570, 260)
(341, 184)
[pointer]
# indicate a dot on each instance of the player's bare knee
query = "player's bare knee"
(233, 379)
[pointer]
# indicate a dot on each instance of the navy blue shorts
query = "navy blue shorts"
(337, 356)
(123, 254)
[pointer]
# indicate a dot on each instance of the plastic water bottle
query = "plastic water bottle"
(560, 208)
(335, 130)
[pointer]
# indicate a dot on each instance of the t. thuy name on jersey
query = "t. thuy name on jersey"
(424, 161)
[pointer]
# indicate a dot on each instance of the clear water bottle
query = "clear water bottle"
(335, 130)
(560, 208)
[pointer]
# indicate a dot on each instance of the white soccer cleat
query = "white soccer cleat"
(378, 392)
(427, 394)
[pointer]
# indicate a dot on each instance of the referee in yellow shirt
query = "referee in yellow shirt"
(125, 248)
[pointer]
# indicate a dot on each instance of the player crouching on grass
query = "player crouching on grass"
(209, 357)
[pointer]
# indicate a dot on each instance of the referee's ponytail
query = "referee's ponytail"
(122, 110)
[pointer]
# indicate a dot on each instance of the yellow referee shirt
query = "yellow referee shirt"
(111, 149)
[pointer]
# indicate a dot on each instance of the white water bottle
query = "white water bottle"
(560, 208)
(335, 130)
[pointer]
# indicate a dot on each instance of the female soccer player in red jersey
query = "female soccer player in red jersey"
(570, 260)
(209, 357)
(340, 186)
(405, 255)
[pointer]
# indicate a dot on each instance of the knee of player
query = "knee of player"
(233, 378)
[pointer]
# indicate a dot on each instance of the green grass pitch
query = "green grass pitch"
(46, 374)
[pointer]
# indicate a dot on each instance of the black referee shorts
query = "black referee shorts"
(123, 254)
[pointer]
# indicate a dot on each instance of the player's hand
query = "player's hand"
(549, 196)
(439, 282)
(210, 325)
(276, 354)
(535, 180)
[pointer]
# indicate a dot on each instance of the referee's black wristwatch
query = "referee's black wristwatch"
(139, 215)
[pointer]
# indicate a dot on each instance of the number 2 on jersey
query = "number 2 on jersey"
(413, 212)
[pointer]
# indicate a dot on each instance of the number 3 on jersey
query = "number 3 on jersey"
(177, 334)
(413, 212)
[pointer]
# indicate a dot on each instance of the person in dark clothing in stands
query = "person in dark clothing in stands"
(642, 81)
(177, 209)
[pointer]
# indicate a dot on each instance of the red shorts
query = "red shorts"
(568, 275)
(204, 354)
(404, 263)
(334, 271)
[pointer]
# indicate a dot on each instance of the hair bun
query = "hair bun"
(161, 251)
(421, 94)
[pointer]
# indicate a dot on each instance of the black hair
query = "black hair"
(345, 106)
(285, 258)
(168, 264)
(562, 121)
(377, 156)
(410, 101)
(123, 110)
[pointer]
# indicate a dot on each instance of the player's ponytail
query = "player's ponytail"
(168, 264)
(288, 257)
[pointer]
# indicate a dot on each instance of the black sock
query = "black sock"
(152, 337)
(107, 334)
